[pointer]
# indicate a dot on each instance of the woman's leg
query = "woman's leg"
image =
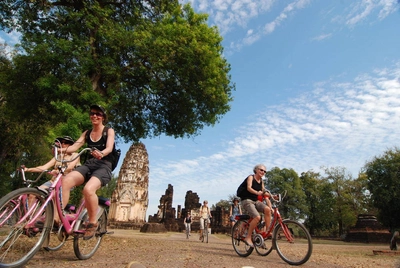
(68, 182)
(91, 199)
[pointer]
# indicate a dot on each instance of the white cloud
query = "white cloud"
(321, 37)
(364, 8)
(227, 14)
(335, 124)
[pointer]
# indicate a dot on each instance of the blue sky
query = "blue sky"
(317, 84)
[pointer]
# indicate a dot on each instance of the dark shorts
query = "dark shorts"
(93, 167)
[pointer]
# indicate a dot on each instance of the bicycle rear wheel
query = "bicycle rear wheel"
(239, 231)
(85, 249)
(19, 241)
(293, 242)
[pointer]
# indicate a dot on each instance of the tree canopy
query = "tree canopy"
(383, 178)
(155, 65)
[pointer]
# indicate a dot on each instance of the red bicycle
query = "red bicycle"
(289, 238)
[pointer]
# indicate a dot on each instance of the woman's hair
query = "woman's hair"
(258, 167)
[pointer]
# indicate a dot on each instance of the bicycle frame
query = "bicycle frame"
(68, 220)
(277, 219)
(21, 199)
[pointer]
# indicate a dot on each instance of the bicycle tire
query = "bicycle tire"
(294, 245)
(85, 249)
(238, 233)
(205, 231)
(18, 242)
(57, 239)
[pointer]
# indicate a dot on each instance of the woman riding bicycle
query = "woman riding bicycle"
(60, 142)
(205, 214)
(252, 201)
(96, 172)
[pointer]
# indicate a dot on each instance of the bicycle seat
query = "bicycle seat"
(243, 217)
(104, 201)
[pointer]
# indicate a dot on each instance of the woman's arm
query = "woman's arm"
(48, 166)
(78, 144)
(110, 142)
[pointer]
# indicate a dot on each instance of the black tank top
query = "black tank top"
(101, 144)
(256, 186)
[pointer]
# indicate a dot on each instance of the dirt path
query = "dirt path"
(174, 250)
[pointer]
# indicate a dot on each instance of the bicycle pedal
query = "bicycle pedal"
(79, 232)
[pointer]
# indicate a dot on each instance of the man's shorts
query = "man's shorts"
(253, 207)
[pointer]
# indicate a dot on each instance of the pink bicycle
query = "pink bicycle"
(26, 223)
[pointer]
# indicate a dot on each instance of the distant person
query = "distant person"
(234, 210)
(252, 200)
(188, 221)
(52, 166)
(205, 214)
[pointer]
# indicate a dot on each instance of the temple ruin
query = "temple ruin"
(129, 200)
(368, 230)
(173, 220)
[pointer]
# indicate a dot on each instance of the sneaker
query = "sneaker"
(90, 230)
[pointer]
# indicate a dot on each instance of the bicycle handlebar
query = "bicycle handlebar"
(29, 182)
(63, 161)
(277, 198)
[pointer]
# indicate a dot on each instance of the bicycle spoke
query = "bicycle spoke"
(20, 240)
(239, 231)
(293, 242)
(85, 249)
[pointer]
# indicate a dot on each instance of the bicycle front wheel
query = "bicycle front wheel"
(293, 242)
(205, 233)
(85, 249)
(19, 241)
(239, 231)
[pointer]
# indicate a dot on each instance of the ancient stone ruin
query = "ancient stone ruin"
(368, 230)
(129, 201)
(173, 221)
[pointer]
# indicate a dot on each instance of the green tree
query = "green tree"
(280, 180)
(155, 65)
(345, 209)
(108, 190)
(383, 174)
(224, 204)
(320, 201)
